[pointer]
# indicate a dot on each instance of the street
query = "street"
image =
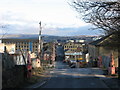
(65, 77)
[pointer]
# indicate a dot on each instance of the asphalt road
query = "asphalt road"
(59, 53)
(65, 77)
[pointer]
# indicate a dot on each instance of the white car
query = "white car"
(72, 61)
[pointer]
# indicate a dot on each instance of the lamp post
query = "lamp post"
(39, 42)
(75, 55)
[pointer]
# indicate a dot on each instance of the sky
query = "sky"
(57, 17)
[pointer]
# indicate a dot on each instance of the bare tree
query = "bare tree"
(3, 32)
(102, 14)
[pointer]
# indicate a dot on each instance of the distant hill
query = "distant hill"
(48, 38)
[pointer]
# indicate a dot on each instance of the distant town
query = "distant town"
(34, 54)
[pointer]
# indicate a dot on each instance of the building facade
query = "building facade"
(72, 46)
(23, 44)
(101, 51)
(73, 51)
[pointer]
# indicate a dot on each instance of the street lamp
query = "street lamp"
(75, 54)
(39, 42)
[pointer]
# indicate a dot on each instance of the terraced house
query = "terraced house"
(102, 49)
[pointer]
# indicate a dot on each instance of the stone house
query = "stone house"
(46, 56)
(73, 46)
(73, 50)
(101, 50)
(70, 55)
(49, 52)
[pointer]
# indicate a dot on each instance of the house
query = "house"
(2, 47)
(46, 56)
(101, 50)
(49, 52)
(73, 50)
(10, 48)
(73, 46)
(70, 55)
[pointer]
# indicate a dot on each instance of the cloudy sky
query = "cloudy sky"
(57, 17)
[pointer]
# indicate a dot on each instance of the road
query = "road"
(65, 77)
(59, 53)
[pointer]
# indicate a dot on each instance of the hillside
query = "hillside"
(49, 38)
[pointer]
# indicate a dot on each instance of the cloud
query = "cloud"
(61, 31)
(15, 24)
(72, 31)
(48, 11)
(23, 16)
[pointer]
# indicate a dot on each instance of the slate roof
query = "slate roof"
(68, 50)
(97, 42)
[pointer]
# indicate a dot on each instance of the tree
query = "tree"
(103, 14)
(4, 32)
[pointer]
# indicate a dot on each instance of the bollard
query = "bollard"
(29, 68)
(111, 70)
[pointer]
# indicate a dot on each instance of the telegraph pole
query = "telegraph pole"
(39, 43)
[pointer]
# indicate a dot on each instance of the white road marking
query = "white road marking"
(39, 85)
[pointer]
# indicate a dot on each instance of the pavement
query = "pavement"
(45, 77)
(111, 81)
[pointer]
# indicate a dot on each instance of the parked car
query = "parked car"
(70, 62)
(82, 63)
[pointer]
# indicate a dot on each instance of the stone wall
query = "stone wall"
(7, 61)
(13, 77)
(106, 53)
